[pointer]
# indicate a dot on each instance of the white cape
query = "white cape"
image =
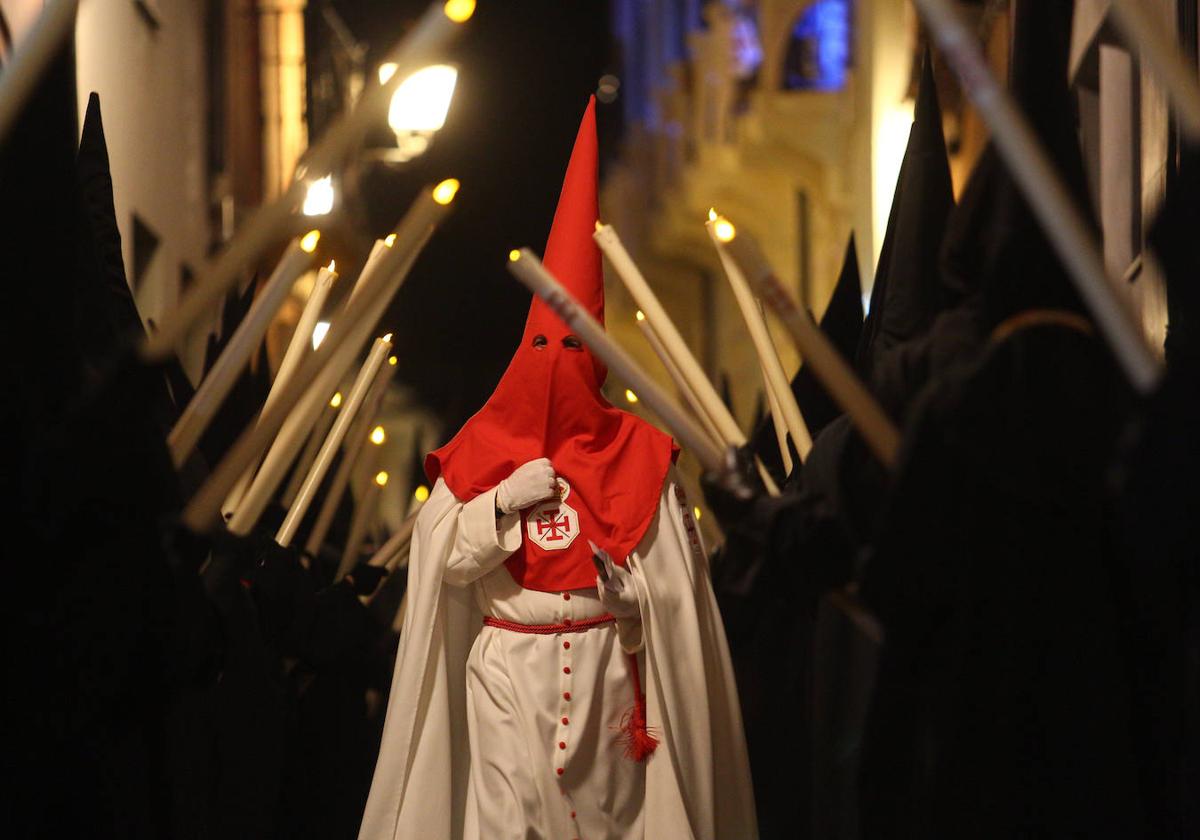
(697, 781)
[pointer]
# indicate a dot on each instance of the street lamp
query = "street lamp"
(419, 106)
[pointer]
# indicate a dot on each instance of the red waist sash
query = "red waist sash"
(567, 626)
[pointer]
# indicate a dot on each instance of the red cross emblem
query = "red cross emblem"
(553, 525)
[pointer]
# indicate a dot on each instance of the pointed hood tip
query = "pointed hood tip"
(571, 253)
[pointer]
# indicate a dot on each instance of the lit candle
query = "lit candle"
(668, 335)
(827, 364)
(297, 349)
(284, 426)
(361, 446)
(316, 474)
(425, 43)
(681, 384)
(236, 355)
(527, 268)
(364, 512)
(775, 381)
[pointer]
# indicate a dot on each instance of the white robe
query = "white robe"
(475, 733)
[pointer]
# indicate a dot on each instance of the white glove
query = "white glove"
(529, 484)
(619, 595)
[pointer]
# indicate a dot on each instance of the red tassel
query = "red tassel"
(640, 742)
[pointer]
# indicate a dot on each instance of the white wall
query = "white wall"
(153, 95)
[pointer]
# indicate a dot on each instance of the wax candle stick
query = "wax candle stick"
(316, 474)
(815, 348)
(360, 443)
(249, 334)
(297, 349)
(364, 511)
(21, 73)
(425, 43)
(774, 379)
(678, 379)
(527, 268)
(284, 426)
(1048, 197)
(312, 443)
(780, 427)
(669, 336)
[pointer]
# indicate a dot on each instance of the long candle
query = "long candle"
(364, 511)
(426, 43)
(780, 427)
(323, 369)
(665, 329)
(30, 59)
(676, 375)
(312, 444)
(1043, 188)
(827, 364)
(249, 333)
(359, 440)
(527, 268)
(1164, 59)
(297, 349)
(775, 380)
(308, 490)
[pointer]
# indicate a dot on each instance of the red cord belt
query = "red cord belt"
(567, 626)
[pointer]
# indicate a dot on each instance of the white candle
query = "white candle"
(677, 377)
(249, 334)
(364, 512)
(318, 375)
(358, 392)
(33, 54)
(827, 364)
(1043, 188)
(426, 43)
(774, 378)
(665, 329)
(527, 268)
(297, 349)
(359, 443)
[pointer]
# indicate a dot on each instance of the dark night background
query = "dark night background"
(526, 70)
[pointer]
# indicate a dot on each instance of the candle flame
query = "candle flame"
(331, 265)
(389, 240)
(724, 230)
(308, 243)
(381, 478)
(598, 225)
(392, 361)
(386, 71)
(641, 316)
(514, 255)
(459, 11)
(336, 400)
(421, 494)
(388, 338)
(712, 214)
(696, 513)
(444, 192)
(320, 329)
(630, 397)
(378, 436)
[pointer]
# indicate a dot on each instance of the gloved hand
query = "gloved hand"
(530, 483)
(733, 493)
(619, 595)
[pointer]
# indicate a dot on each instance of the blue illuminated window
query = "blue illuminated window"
(818, 56)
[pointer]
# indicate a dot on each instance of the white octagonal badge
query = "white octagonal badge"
(553, 524)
